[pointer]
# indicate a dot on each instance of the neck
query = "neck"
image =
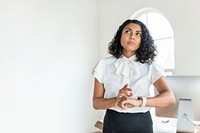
(128, 54)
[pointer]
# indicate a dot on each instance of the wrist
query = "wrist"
(139, 102)
(143, 101)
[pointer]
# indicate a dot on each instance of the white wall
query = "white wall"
(182, 14)
(47, 51)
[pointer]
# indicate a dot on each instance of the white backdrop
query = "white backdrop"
(47, 51)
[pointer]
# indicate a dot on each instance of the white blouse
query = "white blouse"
(115, 73)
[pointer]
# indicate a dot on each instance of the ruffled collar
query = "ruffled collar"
(126, 66)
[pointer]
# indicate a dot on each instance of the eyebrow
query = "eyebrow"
(131, 29)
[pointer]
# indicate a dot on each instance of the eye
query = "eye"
(128, 31)
(139, 34)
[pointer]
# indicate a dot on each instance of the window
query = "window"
(162, 34)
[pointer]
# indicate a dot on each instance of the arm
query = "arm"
(99, 102)
(165, 96)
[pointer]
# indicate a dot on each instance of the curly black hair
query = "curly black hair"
(147, 50)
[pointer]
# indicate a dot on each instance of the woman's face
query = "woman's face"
(131, 39)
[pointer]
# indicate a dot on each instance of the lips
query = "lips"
(131, 43)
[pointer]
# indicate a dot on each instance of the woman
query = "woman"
(122, 81)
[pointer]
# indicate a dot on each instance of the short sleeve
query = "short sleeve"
(99, 70)
(156, 72)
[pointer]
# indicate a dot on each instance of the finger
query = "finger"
(127, 92)
(123, 106)
(125, 86)
(116, 106)
(129, 89)
(118, 100)
(121, 99)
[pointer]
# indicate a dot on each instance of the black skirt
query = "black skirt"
(115, 122)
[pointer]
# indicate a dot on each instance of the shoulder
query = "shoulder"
(106, 61)
(155, 65)
(156, 68)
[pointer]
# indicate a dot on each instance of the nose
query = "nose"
(131, 37)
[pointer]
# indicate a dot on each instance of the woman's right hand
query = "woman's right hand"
(125, 91)
(123, 95)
